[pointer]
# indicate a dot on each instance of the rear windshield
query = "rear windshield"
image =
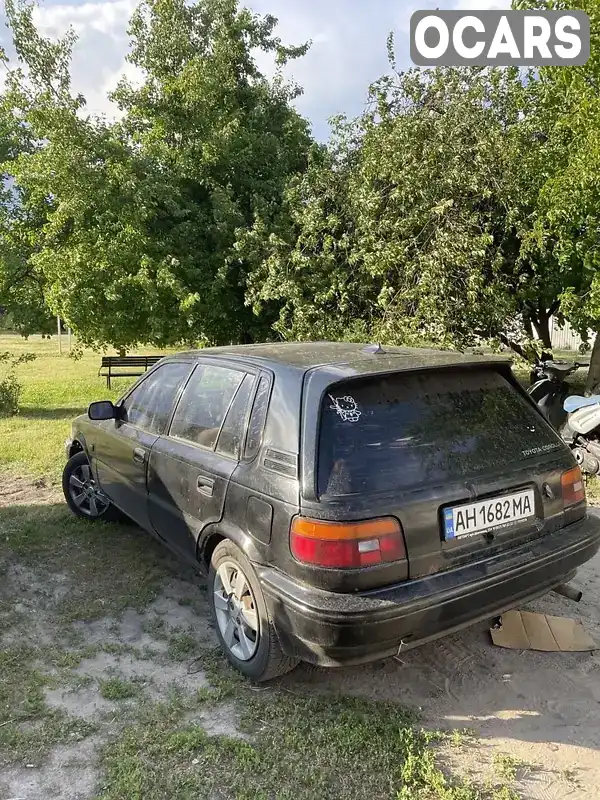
(409, 429)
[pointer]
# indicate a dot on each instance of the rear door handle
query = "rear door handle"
(139, 455)
(205, 485)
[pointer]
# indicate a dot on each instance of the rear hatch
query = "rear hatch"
(459, 456)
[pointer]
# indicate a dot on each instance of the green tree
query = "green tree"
(144, 216)
(21, 286)
(309, 267)
(568, 214)
(412, 225)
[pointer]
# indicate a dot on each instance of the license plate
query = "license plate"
(489, 515)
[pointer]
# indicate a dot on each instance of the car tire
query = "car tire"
(257, 654)
(83, 497)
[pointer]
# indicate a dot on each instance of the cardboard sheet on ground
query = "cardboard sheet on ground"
(523, 630)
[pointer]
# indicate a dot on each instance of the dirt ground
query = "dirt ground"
(543, 709)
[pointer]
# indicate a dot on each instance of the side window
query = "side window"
(257, 418)
(233, 428)
(204, 404)
(150, 404)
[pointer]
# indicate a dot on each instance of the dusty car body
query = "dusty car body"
(345, 501)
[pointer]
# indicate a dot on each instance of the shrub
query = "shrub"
(10, 386)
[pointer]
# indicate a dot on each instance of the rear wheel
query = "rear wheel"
(84, 497)
(244, 627)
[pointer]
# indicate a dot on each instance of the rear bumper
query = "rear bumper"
(335, 629)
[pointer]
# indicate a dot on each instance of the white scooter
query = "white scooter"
(576, 418)
(581, 431)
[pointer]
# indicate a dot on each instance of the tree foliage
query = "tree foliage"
(413, 224)
(143, 215)
(21, 286)
(569, 207)
(461, 206)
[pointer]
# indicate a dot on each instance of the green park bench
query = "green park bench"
(125, 366)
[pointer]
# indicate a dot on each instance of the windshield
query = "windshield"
(410, 429)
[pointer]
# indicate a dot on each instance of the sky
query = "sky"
(348, 51)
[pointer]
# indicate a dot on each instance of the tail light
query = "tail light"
(573, 489)
(347, 545)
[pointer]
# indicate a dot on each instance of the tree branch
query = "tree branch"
(513, 346)
(554, 308)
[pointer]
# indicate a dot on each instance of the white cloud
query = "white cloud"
(99, 55)
(348, 51)
(347, 54)
(106, 16)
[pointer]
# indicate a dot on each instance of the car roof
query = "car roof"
(345, 358)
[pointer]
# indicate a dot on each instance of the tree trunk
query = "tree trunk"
(528, 326)
(122, 352)
(542, 329)
(593, 378)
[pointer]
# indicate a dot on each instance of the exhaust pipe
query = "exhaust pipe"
(569, 592)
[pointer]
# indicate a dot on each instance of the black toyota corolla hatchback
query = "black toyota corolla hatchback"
(344, 500)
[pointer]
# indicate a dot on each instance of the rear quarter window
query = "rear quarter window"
(232, 430)
(411, 429)
(257, 418)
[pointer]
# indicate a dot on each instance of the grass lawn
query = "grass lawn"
(81, 578)
(56, 389)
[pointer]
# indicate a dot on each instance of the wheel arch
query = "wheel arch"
(76, 446)
(212, 535)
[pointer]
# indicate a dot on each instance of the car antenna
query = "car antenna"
(374, 349)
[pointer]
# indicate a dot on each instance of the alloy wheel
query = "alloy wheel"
(236, 611)
(88, 498)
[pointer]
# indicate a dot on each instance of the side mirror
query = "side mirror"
(103, 409)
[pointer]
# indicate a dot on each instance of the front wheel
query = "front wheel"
(241, 618)
(84, 497)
